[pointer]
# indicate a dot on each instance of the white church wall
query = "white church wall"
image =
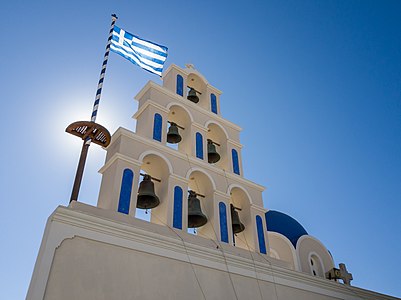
(92, 253)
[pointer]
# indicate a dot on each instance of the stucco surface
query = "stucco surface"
(88, 269)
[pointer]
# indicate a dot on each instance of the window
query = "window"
(316, 265)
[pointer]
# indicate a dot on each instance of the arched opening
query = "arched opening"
(181, 117)
(218, 136)
(202, 184)
(241, 202)
(155, 166)
(199, 85)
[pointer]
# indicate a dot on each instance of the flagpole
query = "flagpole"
(102, 73)
(90, 131)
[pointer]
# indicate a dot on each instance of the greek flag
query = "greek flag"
(147, 55)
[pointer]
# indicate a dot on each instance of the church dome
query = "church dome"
(284, 224)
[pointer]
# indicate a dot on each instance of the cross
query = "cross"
(120, 36)
(345, 276)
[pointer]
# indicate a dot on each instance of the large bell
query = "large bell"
(192, 96)
(195, 216)
(235, 221)
(212, 155)
(173, 137)
(147, 198)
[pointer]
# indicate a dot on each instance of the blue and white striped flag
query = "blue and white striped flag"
(147, 55)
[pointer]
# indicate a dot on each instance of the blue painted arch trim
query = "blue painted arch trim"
(235, 158)
(223, 222)
(180, 85)
(261, 236)
(177, 215)
(213, 103)
(157, 127)
(199, 145)
(125, 191)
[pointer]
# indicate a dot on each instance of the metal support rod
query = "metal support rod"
(86, 144)
(203, 196)
(159, 180)
(237, 208)
(80, 172)
(170, 122)
(194, 89)
(209, 140)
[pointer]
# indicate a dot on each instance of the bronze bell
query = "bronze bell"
(173, 137)
(235, 221)
(147, 198)
(192, 96)
(212, 155)
(195, 216)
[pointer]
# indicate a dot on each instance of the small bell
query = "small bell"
(147, 198)
(212, 155)
(173, 137)
(192, 96)
(195, 216)
(235, 221)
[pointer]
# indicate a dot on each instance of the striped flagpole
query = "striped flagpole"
(87, 142)
(101, 79)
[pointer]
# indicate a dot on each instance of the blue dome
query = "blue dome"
(284, 224)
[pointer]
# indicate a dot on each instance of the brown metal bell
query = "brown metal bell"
(173, 137)
(212, 155)
(147, 198)
(235, 221)
(195, 216)
(192, 96)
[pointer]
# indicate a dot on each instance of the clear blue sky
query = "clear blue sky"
(316, 85)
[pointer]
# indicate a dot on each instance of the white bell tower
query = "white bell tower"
(186, 166)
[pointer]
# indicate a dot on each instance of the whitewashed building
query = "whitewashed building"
(107, 252)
